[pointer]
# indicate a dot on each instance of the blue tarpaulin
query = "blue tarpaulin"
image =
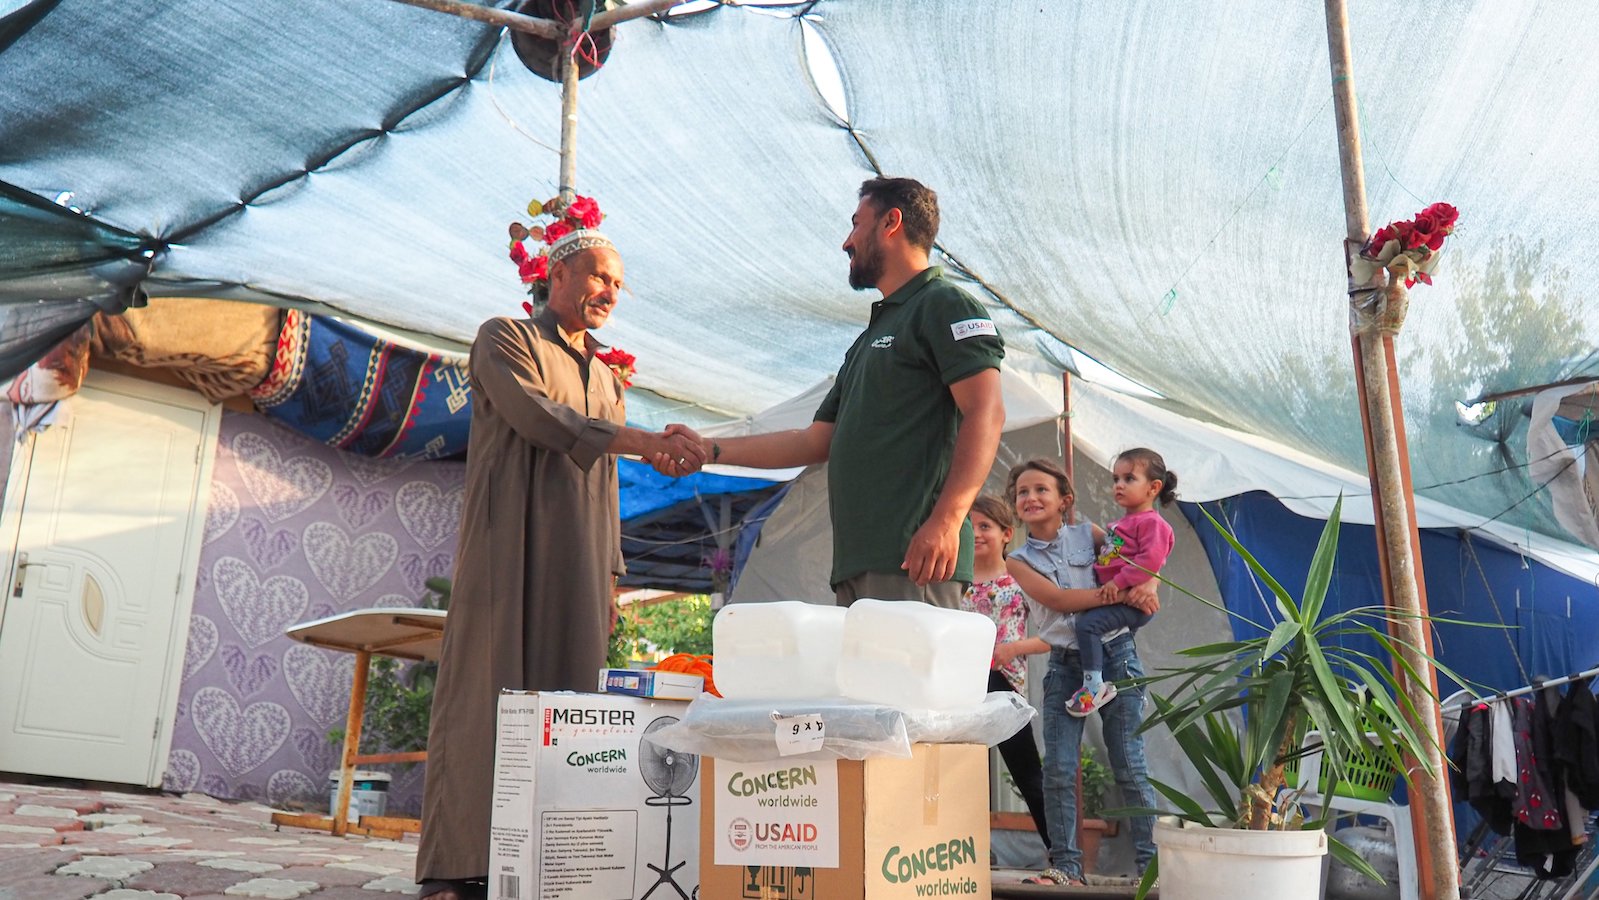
(645, 490)
(678, 533)
(1541, 622)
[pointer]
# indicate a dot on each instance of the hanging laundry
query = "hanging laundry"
(1543, 842)
(1537, 804)
(1472, 759)
(1577, 742)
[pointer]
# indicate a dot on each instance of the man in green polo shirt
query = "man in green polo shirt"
(911, 425)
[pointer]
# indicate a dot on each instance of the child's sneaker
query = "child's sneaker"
(1085, 702)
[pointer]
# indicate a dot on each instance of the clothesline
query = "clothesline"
(1537, 685)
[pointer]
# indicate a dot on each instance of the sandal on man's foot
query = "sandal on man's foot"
(1085, 702)
(1053, 876)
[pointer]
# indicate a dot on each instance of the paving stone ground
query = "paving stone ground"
(71, 843)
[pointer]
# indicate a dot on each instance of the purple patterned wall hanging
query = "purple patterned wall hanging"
(296, 531)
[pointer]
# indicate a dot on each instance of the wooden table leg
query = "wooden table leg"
(352, 743)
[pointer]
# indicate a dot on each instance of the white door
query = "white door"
(107, 530)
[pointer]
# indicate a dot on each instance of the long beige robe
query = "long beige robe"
(540, 541)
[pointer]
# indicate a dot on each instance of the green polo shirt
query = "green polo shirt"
(895, 421)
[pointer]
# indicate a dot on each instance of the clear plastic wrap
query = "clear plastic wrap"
(746, 730)
(1000, 715)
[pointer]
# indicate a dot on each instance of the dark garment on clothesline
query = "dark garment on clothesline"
(1472, 772)
(1543, 841)
(1577, 743)
(1538, 803)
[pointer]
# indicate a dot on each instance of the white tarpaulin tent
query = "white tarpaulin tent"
(1156, 185)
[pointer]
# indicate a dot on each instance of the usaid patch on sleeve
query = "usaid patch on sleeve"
(972, 328)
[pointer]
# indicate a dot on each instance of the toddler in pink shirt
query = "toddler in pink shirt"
(1136, 547)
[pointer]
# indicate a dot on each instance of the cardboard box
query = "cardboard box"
(584, 809)
(646, 683)
(891, 828)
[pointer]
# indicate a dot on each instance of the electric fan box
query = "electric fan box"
(879, 829)
(583, 808)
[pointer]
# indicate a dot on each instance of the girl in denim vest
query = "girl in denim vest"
(1055, 567)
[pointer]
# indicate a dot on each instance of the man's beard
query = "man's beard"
(865, 268)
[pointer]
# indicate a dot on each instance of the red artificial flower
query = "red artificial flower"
(534, 269)
(518, 253)
(1445, 214)
(1426, 229)
(555, 231)
(586, 211)
(527, 307)
(1380, 240)
(621, 363)
(1406, 233)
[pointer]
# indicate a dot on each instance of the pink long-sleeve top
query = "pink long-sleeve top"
(1146, 541)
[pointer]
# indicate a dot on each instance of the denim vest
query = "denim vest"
(1068, 561)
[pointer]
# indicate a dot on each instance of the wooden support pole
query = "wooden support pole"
(544, 28)
(1398, 540)
(1066, 425)
(611, 17)
(352, 744)
(568, 126)
(1066, 466)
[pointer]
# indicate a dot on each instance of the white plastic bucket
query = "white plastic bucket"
(1235, 864)
(369, 794)
(915, 656)
(775, 651)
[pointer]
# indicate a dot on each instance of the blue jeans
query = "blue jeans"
(1094, 624)
(1063, 735)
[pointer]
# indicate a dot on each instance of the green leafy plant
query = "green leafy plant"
(1097, 779)
(399, 696)
(1297, 676)
(661, 629)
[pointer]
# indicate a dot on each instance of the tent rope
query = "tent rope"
(1170, 296)
(495, 102)
(1465, 541)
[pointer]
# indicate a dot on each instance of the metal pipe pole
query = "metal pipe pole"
(1392, 500)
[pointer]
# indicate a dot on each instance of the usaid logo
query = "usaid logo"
(738, 834)
(971, 328)
(884, 342)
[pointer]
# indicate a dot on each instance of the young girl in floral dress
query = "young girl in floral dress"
(994, 593)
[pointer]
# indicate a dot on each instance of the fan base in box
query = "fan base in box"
(542, 56)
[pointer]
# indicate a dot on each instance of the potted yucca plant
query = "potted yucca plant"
(1294, 678)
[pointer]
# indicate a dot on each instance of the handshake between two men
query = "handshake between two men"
(684, 452)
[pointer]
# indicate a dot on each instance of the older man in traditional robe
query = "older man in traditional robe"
(540, 542)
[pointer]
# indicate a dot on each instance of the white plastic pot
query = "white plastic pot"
(1234, 864)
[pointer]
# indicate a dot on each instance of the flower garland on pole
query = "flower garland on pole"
(1408, 251)
(582, 214)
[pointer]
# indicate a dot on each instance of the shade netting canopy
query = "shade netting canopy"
(1156, 185)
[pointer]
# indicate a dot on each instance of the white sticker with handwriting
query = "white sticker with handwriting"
(799, 734)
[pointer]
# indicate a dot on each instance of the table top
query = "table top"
(402, 632)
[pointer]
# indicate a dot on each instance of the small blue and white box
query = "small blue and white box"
(649, 683)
